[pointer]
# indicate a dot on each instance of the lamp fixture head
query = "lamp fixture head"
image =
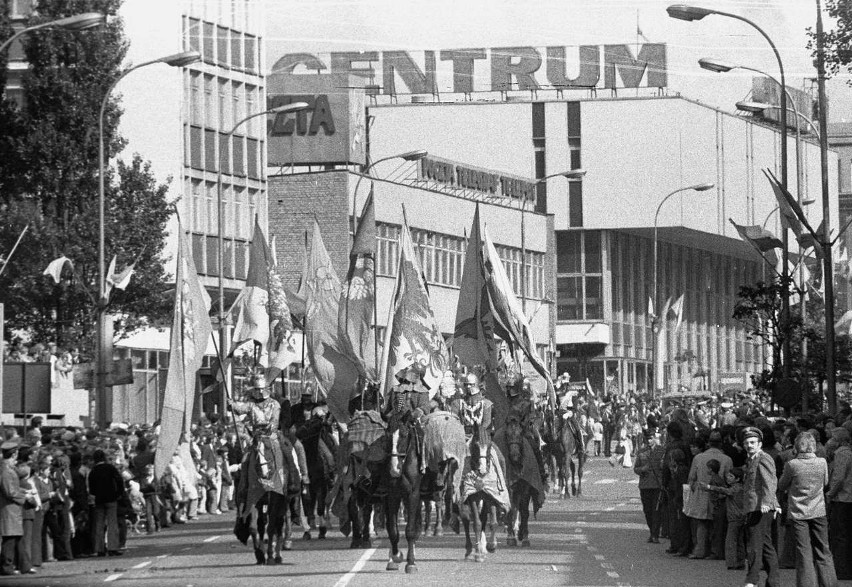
(80, 22)
(715, 65)
(687, 12)
(703, 187)
(292, 107)
(414, 155)
(181, 59)
(753, 107)
(573, 173)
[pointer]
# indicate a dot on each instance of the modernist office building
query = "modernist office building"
(635, 151)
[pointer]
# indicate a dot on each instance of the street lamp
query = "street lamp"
(699, 187)
(759, 108)
(176, 60)
(688, 12)
(568, 174)
(220, 239)
(415, 155)
(78, 22)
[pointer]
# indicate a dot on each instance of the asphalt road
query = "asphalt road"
(598, 539)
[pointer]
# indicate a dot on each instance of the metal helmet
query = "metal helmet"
(447, 388)
(260, 389)
(471, 383)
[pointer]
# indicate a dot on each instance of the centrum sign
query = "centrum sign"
(475, 179)
(490, 70)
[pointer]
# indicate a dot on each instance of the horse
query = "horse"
(524, 482)
(570, 449)
(552, 451)
(479, 506)
(403, 484)
(436, 488)
(316, 437)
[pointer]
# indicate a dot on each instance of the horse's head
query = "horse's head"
(403, 444)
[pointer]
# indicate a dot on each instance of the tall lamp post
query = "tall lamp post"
(78, 22)
(177, 60)
(220, 236)
(568, 174)
(692, 13)
(655, 320)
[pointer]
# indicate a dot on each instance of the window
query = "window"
(209, 101)
(238, 144)
(197, 203)
(251, 53)
(251, 107)
(252, 154)
(210, 150)
(236, 50)
(195, 146)
(196, 104)
(575, 203)
(569, 304)
(192, 35)
(222, 45)
(207, 43)
(579, 276)
(237, 100)
(387, 249)
(224, 105)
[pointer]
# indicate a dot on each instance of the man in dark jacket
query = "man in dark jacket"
(760, 504)
(107, 487)
(12, 500)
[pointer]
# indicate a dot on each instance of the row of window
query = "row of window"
(239, 204)
(221, 45)
(209, 150)
(239, 14)
(222, 103)
(441, 258)
(235, 256)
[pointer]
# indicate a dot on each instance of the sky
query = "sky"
(323, 26)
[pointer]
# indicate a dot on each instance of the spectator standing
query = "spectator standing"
(699, 507)
(839, 497)
(760, 503)
(734, 536)
(107, 487)
(12, 500)
(804, 480)
(25, 546)
(60, 510)
(597, 435)
(649, 468)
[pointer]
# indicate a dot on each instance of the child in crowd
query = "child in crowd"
(735, 536)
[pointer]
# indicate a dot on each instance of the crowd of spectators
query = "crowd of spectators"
(757, 492)
(72, 493)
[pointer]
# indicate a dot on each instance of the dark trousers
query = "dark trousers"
(105, 522)
(735, 554)
(58, 522)
(701, 536)
(760, 552)
(25, 548)
(719, 530)
(679, 531)
(152, 513)
(597, 448)
(607, 439)
(814, 563)
(651, 507)
(38, 525)
(840, 538)
(786, 543)
(8, 552)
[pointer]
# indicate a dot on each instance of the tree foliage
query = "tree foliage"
(51, 184)
(837, 39)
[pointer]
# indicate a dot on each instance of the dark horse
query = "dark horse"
(405, 478)
(561, 447)
(436, 488)
(520, 471)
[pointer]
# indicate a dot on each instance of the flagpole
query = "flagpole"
(304, 327)
(389, 324)
(12, 252)
(227, 393)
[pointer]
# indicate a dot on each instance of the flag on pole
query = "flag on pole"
(506, 309)
(297, 299)
(412, 336)
(336, 374)
(761, 239)
(677, 308)
(807, 240)
(118, 280)
(54, 269)
(252, 302)
(790, 209)
(191, 329)
(474, 337)
(651, 307)
(282, 341)
(662, 349)
(843, 327)
(355, 318)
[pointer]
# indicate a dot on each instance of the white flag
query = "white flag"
(55, 268)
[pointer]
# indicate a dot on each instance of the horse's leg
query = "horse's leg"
(581, 461)
(392, 503)
(413, 523)
(439, 513)
(322, 510)
(511, 539)
(466, 513)
(573, 473)
(478, 513)
(256, 525)
(427, 513)
(491, 545)
(524, 513)
(286, 526)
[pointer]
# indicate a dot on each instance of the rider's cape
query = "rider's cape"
(529, 470)
(444, 439)
(493, 482)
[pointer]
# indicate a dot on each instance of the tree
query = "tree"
(53, 187)
(759, 309)
(838, 40)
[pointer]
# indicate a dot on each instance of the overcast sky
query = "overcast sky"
(322, 26)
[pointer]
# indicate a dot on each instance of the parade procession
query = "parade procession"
(381, 293)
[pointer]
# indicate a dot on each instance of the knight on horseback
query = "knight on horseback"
(476, 410)
(522, 408)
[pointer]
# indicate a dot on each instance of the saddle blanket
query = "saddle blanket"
(493, 482)
(443, 439)
(365, 430)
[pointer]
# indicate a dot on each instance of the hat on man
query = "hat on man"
(9, 447)
(752, 432)
(726, 405)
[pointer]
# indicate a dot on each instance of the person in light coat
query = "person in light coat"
(699, 507)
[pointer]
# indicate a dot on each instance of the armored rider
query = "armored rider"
(521, 407)
(476, 410)
(410, 398)
(262, 415)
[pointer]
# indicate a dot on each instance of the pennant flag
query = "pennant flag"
(297, 299)
(54, 269)
(253, 319)
(474, 338)
(506, 309)
(191, 329)
(662, 350)
(651, 307)
(843, 327)
(412, 336)
(807, 240)
(336, 374)
(355, 317)
(677, 308)
(118, 280)
(761, 239)
(282, 341)
(787, 204)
